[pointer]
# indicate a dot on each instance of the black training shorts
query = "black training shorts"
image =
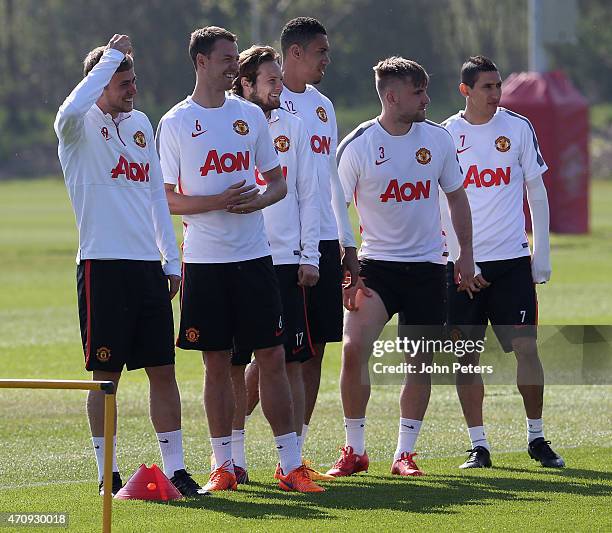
(413, 290)
(298, 347)
(509, 303)
(324, 300)
(125, 314)
(226, 302)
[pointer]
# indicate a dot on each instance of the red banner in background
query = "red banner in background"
(560, 116)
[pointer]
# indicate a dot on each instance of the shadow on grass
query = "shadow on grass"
(439, 494)
(566, 472)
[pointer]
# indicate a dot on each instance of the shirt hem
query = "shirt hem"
(504, 257)
(115, 256)
(396, 259)
(203, 260)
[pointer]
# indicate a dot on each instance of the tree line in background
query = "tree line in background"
(43, 42)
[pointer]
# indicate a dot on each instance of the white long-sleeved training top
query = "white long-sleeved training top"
(317, 113)
(292, 225)
(113, 176)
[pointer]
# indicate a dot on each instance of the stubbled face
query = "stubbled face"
(411, 101)
(119, 94)
(484, 97)
(221, 66)
(315, 58)
(267, 88)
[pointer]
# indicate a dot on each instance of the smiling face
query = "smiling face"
(265, 92)
(118, 95)
(484, 97)
(220, 67)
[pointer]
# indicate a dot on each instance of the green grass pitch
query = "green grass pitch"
(46, 461)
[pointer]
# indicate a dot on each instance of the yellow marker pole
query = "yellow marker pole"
(80, 384)
(109, 432)
(109, 425)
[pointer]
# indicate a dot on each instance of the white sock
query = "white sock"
(98, 444)
(408, 434)
(303, 435)
(238, 454)
(354, 429)
(222, 449)
(478, 437)
(535, 429)
(171, 448)
(300, 443)
(286, 446)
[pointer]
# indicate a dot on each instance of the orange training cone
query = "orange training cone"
(148, 484)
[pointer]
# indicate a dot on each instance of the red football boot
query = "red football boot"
(349, 463)
(405, 466)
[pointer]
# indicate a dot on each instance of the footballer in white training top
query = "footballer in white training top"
(205, 150)
(394, 181)
(499, 153)
(497, 159)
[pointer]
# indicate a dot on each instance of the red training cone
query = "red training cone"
(148, 484)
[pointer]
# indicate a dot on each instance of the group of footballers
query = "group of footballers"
(251, 162)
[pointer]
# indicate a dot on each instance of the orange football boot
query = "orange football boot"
(315, 475)
(221, 478)
(297, 480)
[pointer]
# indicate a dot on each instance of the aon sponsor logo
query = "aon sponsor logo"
(486, 177)
(260, 179)
(406, 192)
(320, 145)
(131, 171)
(227, 162)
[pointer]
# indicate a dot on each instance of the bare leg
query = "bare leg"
(311, 371)
(470, 390)
(218, 401)
(361, 329)
(165, 400)
(296, 382)
(529, 375)
(274, 389)
(240, 393)
(416, 390)
(251, 378)
(95, 403)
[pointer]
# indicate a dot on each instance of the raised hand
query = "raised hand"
(121, 43)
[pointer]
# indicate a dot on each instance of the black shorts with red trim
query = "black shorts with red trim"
(416, 291)
(226, 302)
(298, 347)
(324, 300)
(125, 314)
(509, 303)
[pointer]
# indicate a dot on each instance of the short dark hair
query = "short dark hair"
(93, 58)
(399, 68)
(472, 68)
(249, 62)
(301, 31)
(203, 41)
